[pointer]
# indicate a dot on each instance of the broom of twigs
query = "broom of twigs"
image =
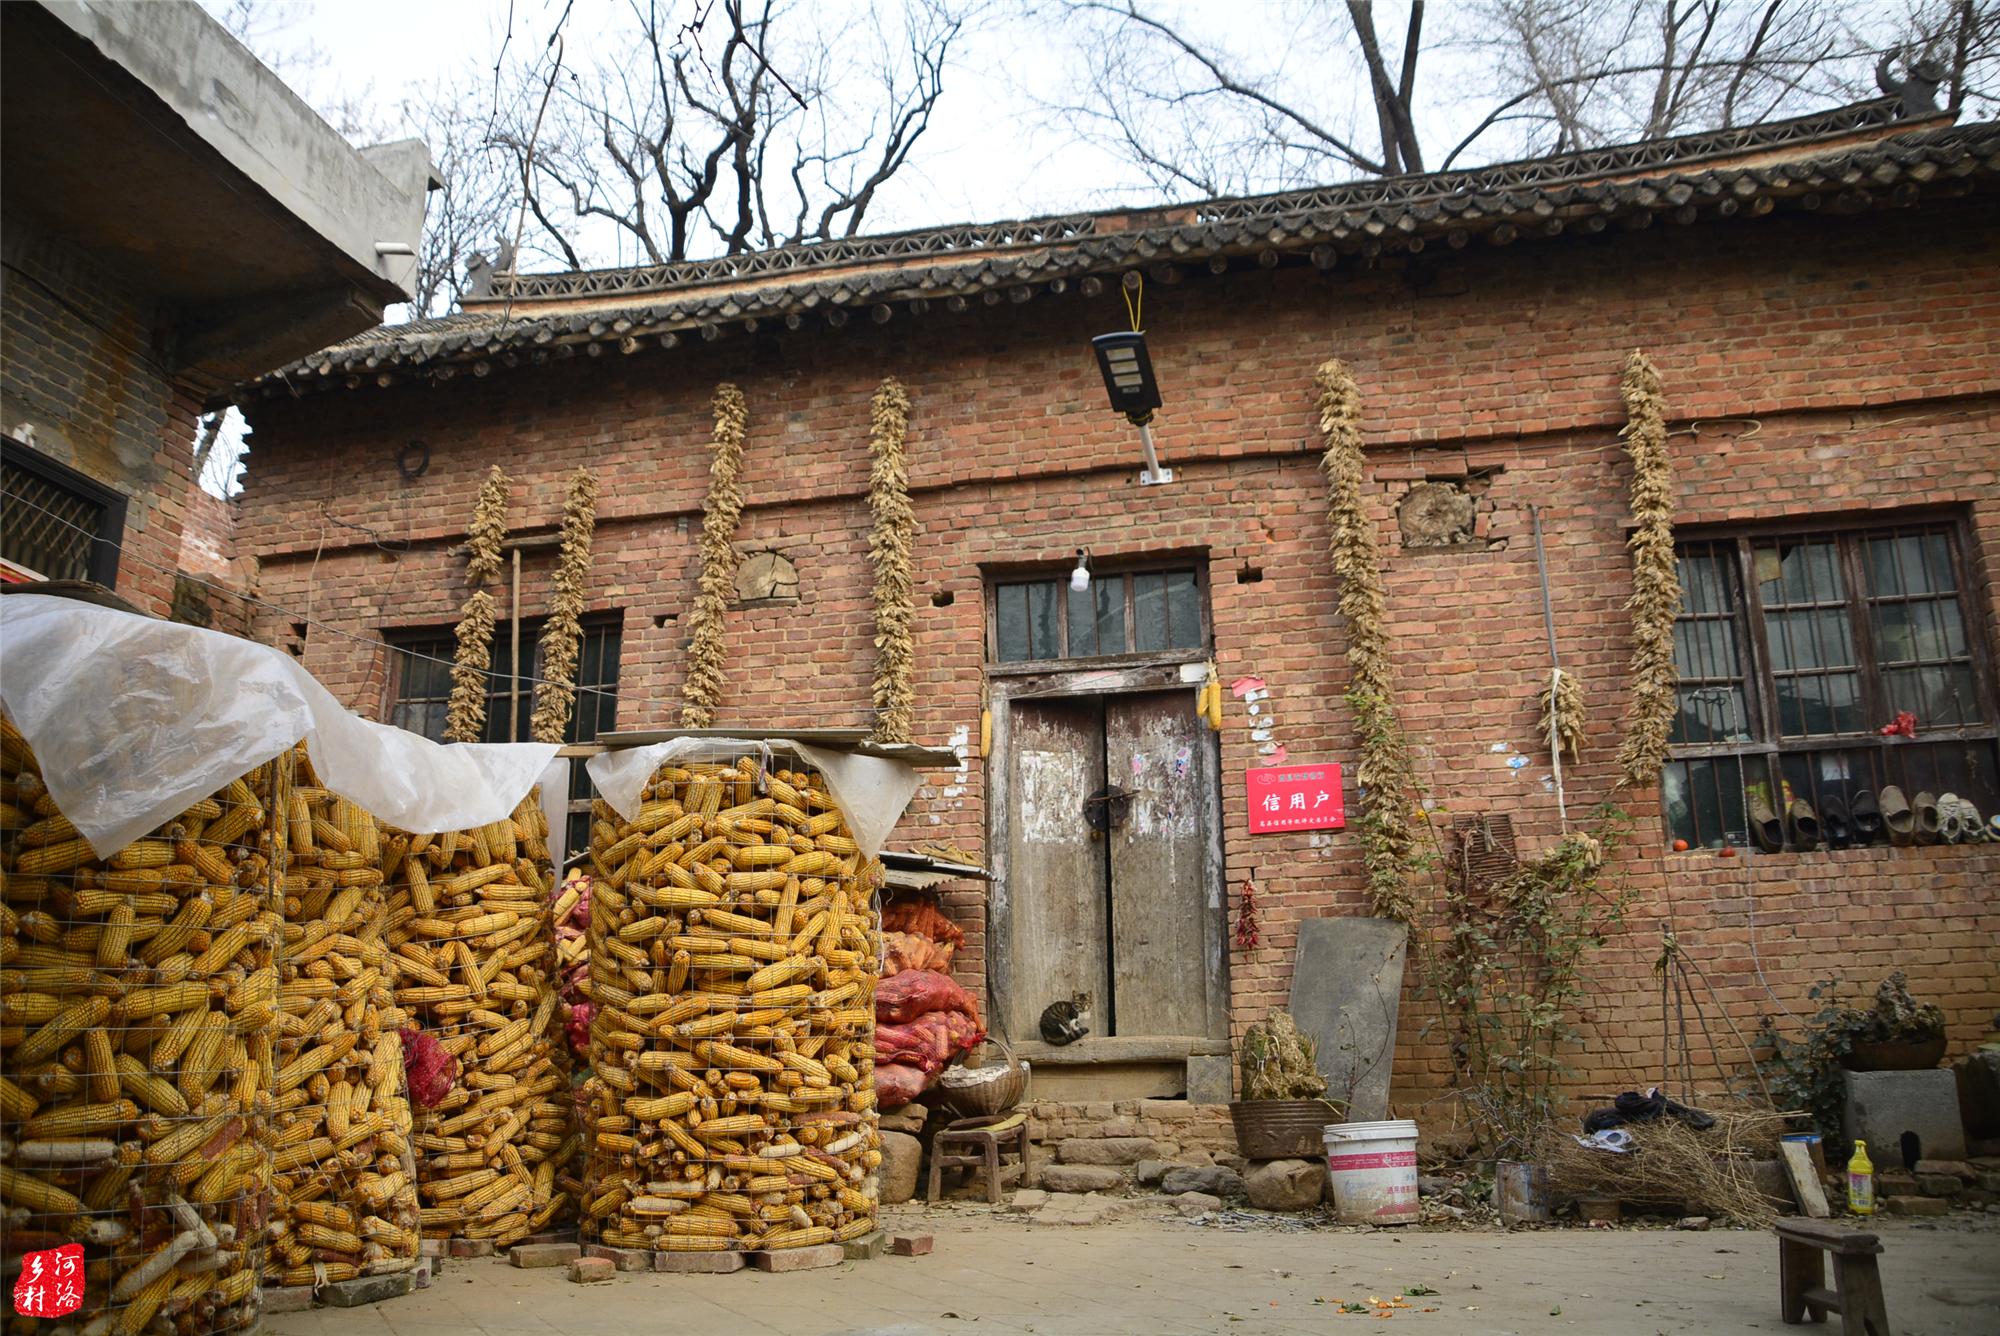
(1671, 1166)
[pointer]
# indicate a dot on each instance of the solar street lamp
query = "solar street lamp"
(1128, 378)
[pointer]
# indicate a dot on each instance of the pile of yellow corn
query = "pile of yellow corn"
(734, 952)
(138, 1001)
(344, 1198)
(474, 963)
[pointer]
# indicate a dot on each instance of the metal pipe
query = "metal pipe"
(1154, 473)
(514, 678)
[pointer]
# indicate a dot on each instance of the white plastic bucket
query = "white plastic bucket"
(1373, 1169)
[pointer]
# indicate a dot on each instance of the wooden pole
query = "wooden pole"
(514, 678)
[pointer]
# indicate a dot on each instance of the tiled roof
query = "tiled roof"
(1845, 160)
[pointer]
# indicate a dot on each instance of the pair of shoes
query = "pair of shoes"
(1959, 821)
(1858, 821)
(1767, 828)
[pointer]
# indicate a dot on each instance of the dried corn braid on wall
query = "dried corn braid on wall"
(137, 1000)
(343, 1186)
(734, 951)
(474, 959)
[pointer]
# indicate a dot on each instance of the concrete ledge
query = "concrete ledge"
(1091, 1051)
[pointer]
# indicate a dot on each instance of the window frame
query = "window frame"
(107, 542)
(400, 640)
(997, 579)
(1849, 533)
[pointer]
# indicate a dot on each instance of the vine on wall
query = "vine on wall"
(1383, 770)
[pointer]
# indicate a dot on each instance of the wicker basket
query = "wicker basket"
(986, 1099)
(1283, 1129)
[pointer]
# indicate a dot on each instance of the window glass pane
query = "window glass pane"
(1711, 714)
(1044, 633)
(1011, 622)
(1111, 616)
(1885, 575)
(1083, 623)
(1183, 610)
(1149, 611)
(1939, 695)
(1939, 576)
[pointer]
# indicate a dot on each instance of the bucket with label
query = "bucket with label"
(1373, 1170)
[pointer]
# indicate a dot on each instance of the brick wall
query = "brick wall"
(1837, 365)
(77, 362)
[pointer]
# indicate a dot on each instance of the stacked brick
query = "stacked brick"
(344, 1201)
(472, 952)
(734, 953)
(141, 995)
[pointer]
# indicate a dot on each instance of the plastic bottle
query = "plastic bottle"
(1860, 1181)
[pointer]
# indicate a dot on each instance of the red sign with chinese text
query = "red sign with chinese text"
(1296, 797)
(51, 1282)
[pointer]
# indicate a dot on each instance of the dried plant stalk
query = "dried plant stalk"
(465, 717)
(1384, 769)
(1562, 710)
(889, 548)
(555, 698)
(1656, 589)
(1672, 1167)
(702, 691)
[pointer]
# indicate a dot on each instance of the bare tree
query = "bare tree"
(1160, 86)
(753, 124)
(472, 212)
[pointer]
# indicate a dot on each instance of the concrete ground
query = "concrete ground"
(1152, 1273)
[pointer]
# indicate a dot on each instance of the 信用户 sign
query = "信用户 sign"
(1296, 797)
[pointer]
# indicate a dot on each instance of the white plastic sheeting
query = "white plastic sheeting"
(872, 791)
(133, 719)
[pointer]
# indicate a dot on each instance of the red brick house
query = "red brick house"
(1820, 296)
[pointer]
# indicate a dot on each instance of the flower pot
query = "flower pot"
(1894, 1055)
(1282, 1129)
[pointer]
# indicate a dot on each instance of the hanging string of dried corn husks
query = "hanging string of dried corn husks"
(889, 548)
(465, 717)
(719, 513)
(556, 696)
(1656, 589)
(1562, 713)
(1384, 769)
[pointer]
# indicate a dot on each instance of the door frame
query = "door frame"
(1178, 672)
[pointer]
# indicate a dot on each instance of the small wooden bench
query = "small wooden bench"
(1857, 1294)
(988, 1138)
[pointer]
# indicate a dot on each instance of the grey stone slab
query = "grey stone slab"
(1212, 1179)
(1347, 981)
(367, 1290)
(1208, 1079)
(287, 1299)
(1081, 1178)
(1883, 1107)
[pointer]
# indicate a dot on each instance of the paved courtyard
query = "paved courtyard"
(1151, 1274)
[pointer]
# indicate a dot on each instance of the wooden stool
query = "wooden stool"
(987, 1138)
(1802, 1292)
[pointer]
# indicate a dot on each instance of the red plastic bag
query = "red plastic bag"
(896, 1084)
(430, 1071)
(914, 993)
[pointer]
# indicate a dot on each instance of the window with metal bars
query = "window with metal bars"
(1796, 649)
(422, 692)
(57, 523)
(1124, 612)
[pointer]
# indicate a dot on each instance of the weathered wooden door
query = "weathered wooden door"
(1055, 872)
(1154, 749)
(1115, 921)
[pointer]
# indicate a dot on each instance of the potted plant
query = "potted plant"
(1897, 1033)
(1284, 1108)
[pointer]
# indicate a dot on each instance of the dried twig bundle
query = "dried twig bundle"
(1656, 590)
(735, 948)
(1384, 769)
(702, 691)
(889, 548)
(1562, 711)
(1671, 1166)
(556, 696)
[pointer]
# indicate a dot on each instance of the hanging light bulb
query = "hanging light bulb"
(1079, 579)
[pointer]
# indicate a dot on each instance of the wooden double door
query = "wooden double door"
(1113, 876)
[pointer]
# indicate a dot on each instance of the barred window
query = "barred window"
(56, 523)
(422, 692)
(1796, 648)
(1123, 612)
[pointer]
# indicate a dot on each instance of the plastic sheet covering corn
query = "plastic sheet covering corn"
(872, 791)
(133, 719)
